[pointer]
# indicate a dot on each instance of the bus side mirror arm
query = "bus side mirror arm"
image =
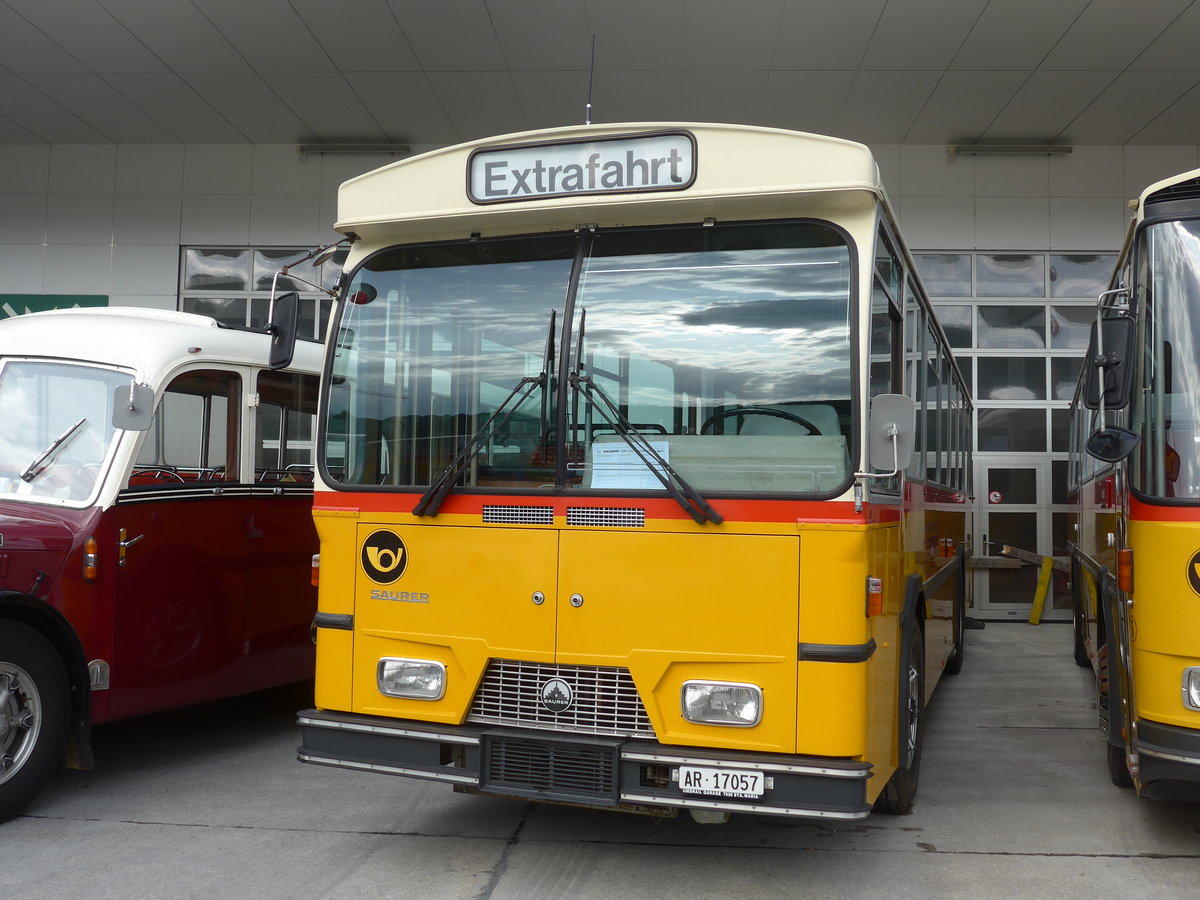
(890, 434)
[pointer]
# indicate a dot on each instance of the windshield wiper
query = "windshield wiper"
(38, 466)
(690, 499)
(431, 500)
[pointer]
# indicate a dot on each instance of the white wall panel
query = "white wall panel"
(219, 168)
(149, 168)
(83, 168)
(147, 219)
(24, 169)
(71, 269)
(938, 223)
(1012, 223)
(145, 270)
(24, 219)
(1087, 223)
(215, 219)
(22, 266)
(79, 219)
(282, 219)
(1088, 172)
(928, 171)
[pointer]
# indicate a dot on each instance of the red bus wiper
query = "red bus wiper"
(431, 500)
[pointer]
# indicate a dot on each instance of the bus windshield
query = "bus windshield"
(724, 349)
(57, 428)
(1166, 462)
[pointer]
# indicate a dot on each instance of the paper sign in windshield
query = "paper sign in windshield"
(618, 467)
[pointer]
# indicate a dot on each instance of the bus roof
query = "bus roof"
(739, 171)
(148, 340)
(1185, 185)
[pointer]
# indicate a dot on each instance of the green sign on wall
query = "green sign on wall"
(19, 304)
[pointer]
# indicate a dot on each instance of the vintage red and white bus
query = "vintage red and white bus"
(156, 532)
(623, 496)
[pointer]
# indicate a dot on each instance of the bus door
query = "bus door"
(1011, 510)
(280, 600)
(182, 523)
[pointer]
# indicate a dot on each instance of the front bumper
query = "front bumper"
(1167, 753)
(586, 770)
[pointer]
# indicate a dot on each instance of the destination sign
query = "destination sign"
(654, 162)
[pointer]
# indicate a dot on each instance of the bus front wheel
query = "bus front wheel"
(34, 702)
(898, 796)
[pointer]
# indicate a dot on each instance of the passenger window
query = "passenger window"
(285, 426)
(194, 435)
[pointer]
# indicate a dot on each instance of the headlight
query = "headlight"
(721, 703)
(416, 679)
(1191, 687)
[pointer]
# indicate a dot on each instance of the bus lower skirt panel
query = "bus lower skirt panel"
(613, 773)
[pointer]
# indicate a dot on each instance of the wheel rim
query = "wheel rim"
(20, 718)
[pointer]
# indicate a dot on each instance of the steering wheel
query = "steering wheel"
(158, 474)
(759, 411)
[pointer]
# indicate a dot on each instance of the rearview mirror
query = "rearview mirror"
(282, 329)
(1110, 364)
(892, 430)
(133, 407)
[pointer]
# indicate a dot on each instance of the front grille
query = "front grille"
(518, 515)
(604, 517)
(605, 701)
(560, 770)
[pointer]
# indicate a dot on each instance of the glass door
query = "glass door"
(1011, 509)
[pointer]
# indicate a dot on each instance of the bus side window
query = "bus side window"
(194, 435)
(285, 426)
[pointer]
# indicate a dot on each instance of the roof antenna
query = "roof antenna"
(591, 74)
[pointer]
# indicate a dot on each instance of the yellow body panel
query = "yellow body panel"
(1164, 618)
(735, 611)
(675, 606)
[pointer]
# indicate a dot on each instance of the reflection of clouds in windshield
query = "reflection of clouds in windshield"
(761, 328)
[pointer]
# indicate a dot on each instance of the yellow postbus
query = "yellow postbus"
(1135, 475)
(642, 477)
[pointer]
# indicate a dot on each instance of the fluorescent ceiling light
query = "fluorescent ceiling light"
(1008, 149)
(354, 148)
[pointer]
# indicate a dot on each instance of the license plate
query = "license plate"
(721, 782)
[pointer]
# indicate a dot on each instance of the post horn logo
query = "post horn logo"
(1193, 571)
(384, 556)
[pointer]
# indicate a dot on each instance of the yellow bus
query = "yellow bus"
(1135, 475)
(642, 477)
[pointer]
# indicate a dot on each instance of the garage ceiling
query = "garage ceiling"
(439, 71)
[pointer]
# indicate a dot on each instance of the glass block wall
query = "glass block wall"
(1018, 323)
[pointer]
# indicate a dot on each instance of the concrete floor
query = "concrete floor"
(1015, 801)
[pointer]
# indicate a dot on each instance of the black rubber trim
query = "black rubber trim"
(840, 653)
(334, 620)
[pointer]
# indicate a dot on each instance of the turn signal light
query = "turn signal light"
(316, 569)
(91, 550)
(1125, 570)
(874, 596)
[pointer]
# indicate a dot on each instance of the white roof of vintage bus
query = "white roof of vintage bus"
(1190, 175)
(148, 340)
(740, 170)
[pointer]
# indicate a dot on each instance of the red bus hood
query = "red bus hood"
(27, 527)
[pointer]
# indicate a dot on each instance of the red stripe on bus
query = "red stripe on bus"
(1152, 512)
(740, 510)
